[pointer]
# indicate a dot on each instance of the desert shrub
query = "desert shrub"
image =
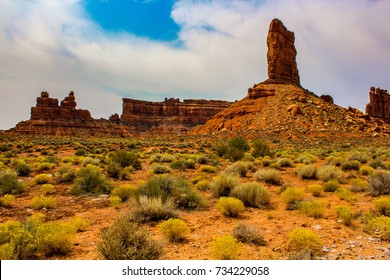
(154, 209)
(252, 194)
(270, 176)
(285, 162)
(350, 165)
(113, 170)
(316, 190)
(203, 159)
(383, 206)
(230, 206)
(89, 180)
(126, 240)
(47, 189)
(379, 183)
(21, 167)
(9, 183)
(358, 185)
(248, 234)
(176, 189)
(344, 213)
(80, 153)
(366, 170)
(379, 225)
(329, 172)
(238, 168)
(124, 192)
(304, 239)
(167, 158)
(115, 201)
(306, 159)
(331, 186)
(361, 157)
(315, 209)
(54, 239)
(292, 197)
(236, 148)
(160, 168)
(183, 164)
(208, 169)
(260, 148)
(66, 174)
(39, 202)
(41, 179)
(7, 200)
(222, 185)
(266, 161)
(16, 242)
(336, 160)
(225, 248)
(378, 164)
(306, 171)
(345, 194)
(124, 159)
(202, 185)
(175, 230)
(45, 166)
(79, 224)
(4, 147)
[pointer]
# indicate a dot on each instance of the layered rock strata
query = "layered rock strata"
(182, 115)
(379, 106)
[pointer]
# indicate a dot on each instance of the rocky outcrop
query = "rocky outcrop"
(282, 66)
(327, 98)
(379, 106)
(49, 118)
(47, 108)
(179, 115)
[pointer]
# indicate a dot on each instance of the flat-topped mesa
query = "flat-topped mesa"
(142, 115)
(282, 66)
(379, 106)
(48, 109)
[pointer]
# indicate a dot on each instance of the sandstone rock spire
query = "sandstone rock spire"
(282, 66)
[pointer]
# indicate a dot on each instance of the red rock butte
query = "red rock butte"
(379, 106)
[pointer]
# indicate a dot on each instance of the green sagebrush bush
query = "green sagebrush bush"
(329, 172)
(260, 148)
(126, 240)
(315, 209)
(306, 171)
(270, 176)
(379, 183)
(304, 239)
(9, 182)
(223, 184)
(252, 194)
(151, 209)
(344, 213)
(165, 186)
(89, 180)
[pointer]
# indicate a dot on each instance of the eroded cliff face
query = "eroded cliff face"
(379, 106)
(169, 114)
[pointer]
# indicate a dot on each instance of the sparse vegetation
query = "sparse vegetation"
(379, 183)
(329, 172)
(270, 176)
(175, 230)
(292, 197)
(9, 183)
(225, 248)
(344, 213)
(315, 209)
(304, 239)
(126, 240)
(252, 194)
(306, 171)
(222, 185)
(248, 234)
(230, 206)
(316, 190)
(89, 180)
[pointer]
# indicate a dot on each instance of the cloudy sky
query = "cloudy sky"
(105, 50)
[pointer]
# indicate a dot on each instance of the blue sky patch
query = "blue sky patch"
(146, 18)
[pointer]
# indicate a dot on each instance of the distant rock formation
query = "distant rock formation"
(327, 98)
(47, 109)
(168, 117)
(171, 113)
(282, 66)
(379, 106)
(49, 118)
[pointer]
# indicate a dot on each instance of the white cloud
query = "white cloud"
(54, 46)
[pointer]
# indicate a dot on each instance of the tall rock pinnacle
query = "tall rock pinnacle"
(282, 66)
